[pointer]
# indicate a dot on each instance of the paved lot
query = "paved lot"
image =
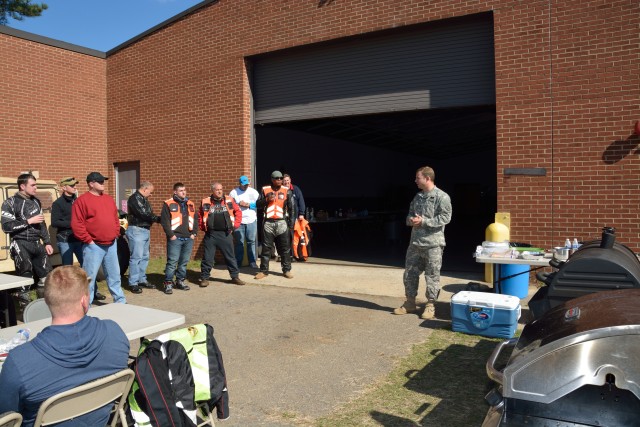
(304, 346)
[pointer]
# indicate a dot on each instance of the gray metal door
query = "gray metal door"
(127, 182)
(443, 64)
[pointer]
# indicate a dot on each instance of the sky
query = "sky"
(99, 24)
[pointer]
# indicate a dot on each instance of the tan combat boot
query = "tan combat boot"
(409, 306)
(429, 310)
(260, 275)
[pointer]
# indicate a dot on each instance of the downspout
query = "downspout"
(553, 187)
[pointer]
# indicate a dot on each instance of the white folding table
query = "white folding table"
(135, 321)
(497, 261)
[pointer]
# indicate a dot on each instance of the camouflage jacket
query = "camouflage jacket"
(435, 209)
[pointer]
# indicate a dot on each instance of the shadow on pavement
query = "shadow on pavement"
(352, 302)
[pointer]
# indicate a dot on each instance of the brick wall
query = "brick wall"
(54, 111)
(185, 89)
(568, 92)
(178, 100)
(567, 95)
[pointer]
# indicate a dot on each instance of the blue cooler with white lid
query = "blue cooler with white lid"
(487, 314)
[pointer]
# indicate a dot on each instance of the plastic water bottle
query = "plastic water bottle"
(21, 337)
(478, 251)
(574, 245)
(567, 244)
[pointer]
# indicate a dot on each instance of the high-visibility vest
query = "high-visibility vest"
(206, 206)
(176, 213)
(275, 208)
(174, 372)
(301, 239)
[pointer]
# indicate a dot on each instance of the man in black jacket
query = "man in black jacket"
(141, 218)
(298, 198)
(179, 219)
(219, 216)
(68, 244)
(23, 221)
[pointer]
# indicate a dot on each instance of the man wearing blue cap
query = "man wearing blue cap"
(246, 198)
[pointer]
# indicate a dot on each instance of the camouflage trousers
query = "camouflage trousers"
(420, 259)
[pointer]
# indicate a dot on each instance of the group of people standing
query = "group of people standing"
(229, 222)
(88, 226)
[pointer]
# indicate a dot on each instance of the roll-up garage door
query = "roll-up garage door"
(445, 64)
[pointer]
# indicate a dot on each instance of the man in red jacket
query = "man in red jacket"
(95, 222)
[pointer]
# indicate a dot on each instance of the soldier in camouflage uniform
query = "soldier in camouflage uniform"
(429, 212)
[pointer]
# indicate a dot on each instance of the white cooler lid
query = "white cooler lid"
(485, 299)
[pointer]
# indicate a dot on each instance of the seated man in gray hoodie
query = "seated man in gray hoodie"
(74, 350)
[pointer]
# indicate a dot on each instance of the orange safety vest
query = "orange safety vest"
(176, 214)
(275, 209)
(301, 239)
(206, 206)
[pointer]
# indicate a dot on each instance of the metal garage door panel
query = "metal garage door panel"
(431, 67)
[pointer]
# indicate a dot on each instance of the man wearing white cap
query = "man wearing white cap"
(246, 198)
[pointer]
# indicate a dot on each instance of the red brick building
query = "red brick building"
(188, 101)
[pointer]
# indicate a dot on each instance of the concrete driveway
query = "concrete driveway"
(301, 347)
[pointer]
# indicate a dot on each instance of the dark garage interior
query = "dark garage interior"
(352, 119)
(365, 166)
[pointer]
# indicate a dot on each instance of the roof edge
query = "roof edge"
(4, 29)
(51, 42)
(160, 25)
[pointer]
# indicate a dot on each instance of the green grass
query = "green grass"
(441, 383)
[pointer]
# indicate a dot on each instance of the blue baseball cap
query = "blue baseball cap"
(244, 180)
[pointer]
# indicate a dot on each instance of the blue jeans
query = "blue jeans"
(178, 254)
(68, 249)
(106, 256)
(139, 248)
(246, 232)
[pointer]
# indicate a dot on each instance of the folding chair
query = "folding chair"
(36, 310)
(86, 398)
(10, 419)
